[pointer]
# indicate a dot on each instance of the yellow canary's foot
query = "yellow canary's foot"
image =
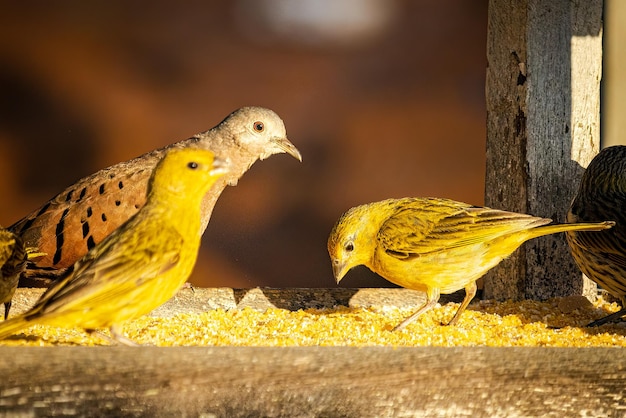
(118, 336)
(432, 298)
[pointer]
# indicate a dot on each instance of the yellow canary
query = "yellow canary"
(433, 245)
(140, 265)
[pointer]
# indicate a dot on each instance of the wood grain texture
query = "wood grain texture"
(314, 381)
(542, 126)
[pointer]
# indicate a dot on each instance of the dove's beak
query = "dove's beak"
(284, 145)
(220, 166)
(339, 269)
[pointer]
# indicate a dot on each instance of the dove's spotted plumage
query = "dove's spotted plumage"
(140, 265)
(81, 216)
(433, 245)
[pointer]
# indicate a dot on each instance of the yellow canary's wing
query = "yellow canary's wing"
(114, 268)
(437, 225)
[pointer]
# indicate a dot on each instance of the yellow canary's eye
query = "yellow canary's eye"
(258, 126)
(349, 246)
(192, 165)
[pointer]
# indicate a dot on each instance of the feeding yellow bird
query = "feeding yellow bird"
(433, 245)
(140, 265)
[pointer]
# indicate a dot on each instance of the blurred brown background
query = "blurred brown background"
(383, 98)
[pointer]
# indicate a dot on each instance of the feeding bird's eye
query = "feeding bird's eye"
(349, 246)
(193, 165)
(258, 126)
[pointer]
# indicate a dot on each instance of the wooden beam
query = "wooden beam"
(543, 118)
(311, 381)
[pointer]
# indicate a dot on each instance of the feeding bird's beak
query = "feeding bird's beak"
(284, 145)
(339, 269)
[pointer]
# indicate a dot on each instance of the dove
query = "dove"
(81, 216)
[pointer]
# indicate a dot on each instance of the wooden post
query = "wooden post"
(543, 128)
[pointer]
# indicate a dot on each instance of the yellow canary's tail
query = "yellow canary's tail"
(553, 229)
(12, 326)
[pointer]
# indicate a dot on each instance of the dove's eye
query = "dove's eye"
(193, 165)
(258, 126)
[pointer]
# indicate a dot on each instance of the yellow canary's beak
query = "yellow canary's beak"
(339, 269)
(285, 145)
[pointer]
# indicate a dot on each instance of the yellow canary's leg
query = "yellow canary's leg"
(432, 297)
(118, 336)
(470, 292)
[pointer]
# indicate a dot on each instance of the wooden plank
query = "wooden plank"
(314, 381)
(543, 95)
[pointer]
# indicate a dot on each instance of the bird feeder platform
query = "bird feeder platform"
(310, 380)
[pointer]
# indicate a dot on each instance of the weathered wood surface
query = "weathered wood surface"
(306, 381)
(312, 382)
(543, 126)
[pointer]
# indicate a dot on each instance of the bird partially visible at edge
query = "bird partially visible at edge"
(140, 265)
(13, 256)
(81, 216)
(602, 195)
(433, 245)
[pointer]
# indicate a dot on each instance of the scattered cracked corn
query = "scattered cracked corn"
(486, 323)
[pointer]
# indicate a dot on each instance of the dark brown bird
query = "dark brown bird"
(602, 196)
(81, 216)
(13, 258)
